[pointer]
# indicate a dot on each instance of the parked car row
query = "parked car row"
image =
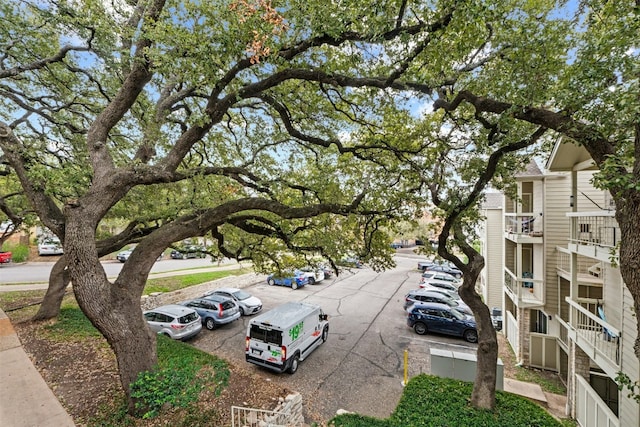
(213, 309)
(278, 339)
(299, 278)
(189, 251)
(440, 266)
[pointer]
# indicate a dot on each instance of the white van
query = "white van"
(281, 338)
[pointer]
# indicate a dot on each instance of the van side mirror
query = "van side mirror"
(324, 317)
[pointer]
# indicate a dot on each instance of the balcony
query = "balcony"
(523, 227)
(589, 271)
(594, 234)
(525, 292)
(597, 338)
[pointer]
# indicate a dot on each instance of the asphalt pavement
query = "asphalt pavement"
(26, 400)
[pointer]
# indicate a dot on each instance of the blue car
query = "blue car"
(295, 280)
(441, 319)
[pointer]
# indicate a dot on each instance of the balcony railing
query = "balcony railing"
(591, 411)
(526, 289)
(529, 224)
(599, 339)
(563, 336)
(589, 270)
(595, 228)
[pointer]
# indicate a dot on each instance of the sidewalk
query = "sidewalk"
(25, 398)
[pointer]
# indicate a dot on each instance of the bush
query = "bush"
(433, 401)
(19, 253)
(178, 379)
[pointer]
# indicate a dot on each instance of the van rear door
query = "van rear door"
(265, 344)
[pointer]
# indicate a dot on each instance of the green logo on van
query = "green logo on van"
(294, 332)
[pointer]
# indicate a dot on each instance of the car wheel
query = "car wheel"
(471, 335)
(241, 311)
(293, 365)
(210, 324)
(294, 285)
(420, 328)
(271, 282)
(325, 334)
(312, 281)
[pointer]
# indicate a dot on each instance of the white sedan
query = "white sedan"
(247, 303)
(50, 246)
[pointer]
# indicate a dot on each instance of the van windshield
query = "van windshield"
(270, 336)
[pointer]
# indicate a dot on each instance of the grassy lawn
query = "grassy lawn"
(432, 401)
(173, 283)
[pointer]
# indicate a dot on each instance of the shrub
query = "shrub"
(178, 379)
(432, 401)
(19, 253)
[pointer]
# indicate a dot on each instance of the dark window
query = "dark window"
(163, 318)
(270, 336)
(188, 318)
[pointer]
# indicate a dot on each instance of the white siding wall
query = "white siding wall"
(538, 198)
(612, 295)
(494, 267)
(556, 233)
(589, 198)
(629, 409)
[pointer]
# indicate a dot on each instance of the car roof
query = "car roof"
(441, 282)
(428, 291)
(421, 304)
(215, 297)
(172, 309)
(230, 290)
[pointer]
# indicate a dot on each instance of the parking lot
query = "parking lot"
(360, 368)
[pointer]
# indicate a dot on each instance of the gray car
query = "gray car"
(175, 321)
(214, 310)
(424, 295)
(247, 303)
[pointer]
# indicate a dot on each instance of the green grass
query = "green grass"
(72, 324)
(169, 284)
(549, 385)
(433, 401)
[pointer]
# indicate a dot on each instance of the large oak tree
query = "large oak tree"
(232, 121)
(295, 127)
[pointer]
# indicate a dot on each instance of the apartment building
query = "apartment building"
(565, 306)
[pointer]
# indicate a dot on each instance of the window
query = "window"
(270, 336)
(539, 322)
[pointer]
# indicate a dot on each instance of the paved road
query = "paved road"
(360, 368)
(38, 272)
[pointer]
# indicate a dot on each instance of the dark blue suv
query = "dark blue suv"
(441, 319)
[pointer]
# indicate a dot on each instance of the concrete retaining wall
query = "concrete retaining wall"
(163, 298)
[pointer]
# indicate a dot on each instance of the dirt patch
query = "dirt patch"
(83, 375)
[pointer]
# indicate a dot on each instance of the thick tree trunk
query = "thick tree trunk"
(58, 281)
(483, 395)
(113, 308)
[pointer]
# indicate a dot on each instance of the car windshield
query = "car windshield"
(241, 295)
(455, 313)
